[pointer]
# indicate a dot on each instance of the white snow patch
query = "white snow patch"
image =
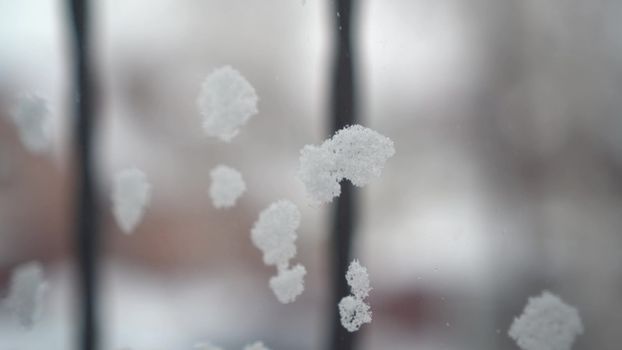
(547, 323)
(358, 279)
(274, 233)
(131, 194)
(227, 186)
(31, 116)
(26, 292)
(355, 153)
(288, 284)
(318, 173)
(226, 101)
(354, 311)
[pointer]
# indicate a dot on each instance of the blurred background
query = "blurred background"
(506, 181)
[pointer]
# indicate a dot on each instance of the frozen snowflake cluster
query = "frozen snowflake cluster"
(209, 346)
(226, 101)
(131, 194)
(547, 323)
(31, 117)
(354, 153)
(274, 233)
(353, 309)
(227, 186)
(26, 290)
(288, 283)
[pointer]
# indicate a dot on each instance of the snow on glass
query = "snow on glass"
(25, 293)
(226, 101)
(355, 153)
(547, 323)
(288, 283)
(274, 233)
(131, 194)
(31, 116)
(227, 186)
(353, 309)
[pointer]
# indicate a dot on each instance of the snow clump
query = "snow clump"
(31, 116)
(274, 233)
(547, 323)
(131, 194)
(355, 153)
(227, 186)
(354, 311)
(226, 101)
(26, 290)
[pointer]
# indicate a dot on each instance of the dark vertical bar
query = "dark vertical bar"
(86, 208)
(343, 113)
